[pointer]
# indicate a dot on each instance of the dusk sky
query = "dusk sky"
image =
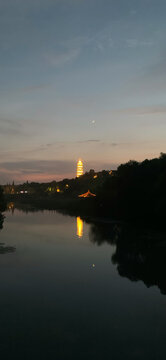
(80, 78)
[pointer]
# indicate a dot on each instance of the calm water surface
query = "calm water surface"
(61, 296)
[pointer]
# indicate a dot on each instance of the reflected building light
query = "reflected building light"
(11, 207)
(79, 227)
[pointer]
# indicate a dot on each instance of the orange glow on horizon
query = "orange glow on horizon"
(45, 177)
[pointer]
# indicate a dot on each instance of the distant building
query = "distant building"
(87, 195)
(79, 168)
(113, 172)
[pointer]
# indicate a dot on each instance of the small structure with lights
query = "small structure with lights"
(87, 195)
(113, 172)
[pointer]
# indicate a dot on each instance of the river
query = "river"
(64, 293)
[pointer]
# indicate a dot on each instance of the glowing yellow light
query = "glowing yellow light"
(79, 227)
(79, 168)
(58, 190)
(95, 176)
(11, 207)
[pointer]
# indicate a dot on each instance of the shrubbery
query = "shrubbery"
(137, 191)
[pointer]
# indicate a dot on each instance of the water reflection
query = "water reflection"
(24, 208)
(143, 263)
(79, 227)
(63, 299)
(1, 221)
(4, 249)
(140, 254)
(11, 207)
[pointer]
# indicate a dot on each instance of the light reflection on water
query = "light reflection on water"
(64, 299)
(80, 225)
(11, 207)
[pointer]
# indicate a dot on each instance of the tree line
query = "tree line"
(137, 190)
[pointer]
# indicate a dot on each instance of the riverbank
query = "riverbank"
(90, 211)
(87, 208)
(73, 205)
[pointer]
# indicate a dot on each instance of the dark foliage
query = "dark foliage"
(2, 200)
(137, 192)
(139, 252)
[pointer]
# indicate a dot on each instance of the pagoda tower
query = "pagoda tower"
(79, 168)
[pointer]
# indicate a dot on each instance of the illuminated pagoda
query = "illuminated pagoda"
(79, 168)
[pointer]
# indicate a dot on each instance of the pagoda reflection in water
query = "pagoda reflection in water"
(79, 227)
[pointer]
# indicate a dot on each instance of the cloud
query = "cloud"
(62, 58)
(42, 165)
(101, 41)
(151, 80)
(44, 170)
(89, 141)
(34, 88)
(13, 127)
(98, 166)
(114, 144)
(9, 127)
(160, 109)
(60, 144)
(133, 12)
(158, 69)
(36, 169)
(135, 43)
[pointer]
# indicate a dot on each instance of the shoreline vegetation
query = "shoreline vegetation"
(128, 212)
(135, 192)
